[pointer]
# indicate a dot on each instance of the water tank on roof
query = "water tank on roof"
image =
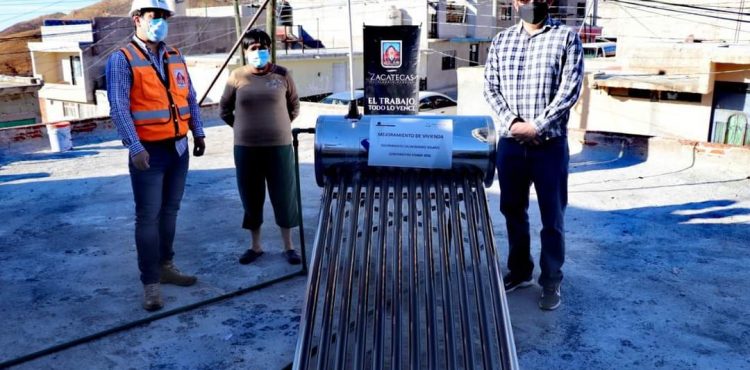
(394, 16)
(285, 15)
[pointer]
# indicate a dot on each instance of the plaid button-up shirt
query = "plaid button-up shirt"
(119, 83)
(536, 78)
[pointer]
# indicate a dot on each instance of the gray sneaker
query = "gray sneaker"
(511, 283)
(550, 299)
(152, 297)
(169, 274)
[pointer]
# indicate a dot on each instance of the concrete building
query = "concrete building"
(668, 79)
(19, 101)
(686, 19)
(698, 92)
(316, 73)
(686, 90)
(72, 56)
(454, 33)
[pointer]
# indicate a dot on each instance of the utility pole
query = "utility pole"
(271, 27)
(238, 27)
(738, 29)
(594, 13)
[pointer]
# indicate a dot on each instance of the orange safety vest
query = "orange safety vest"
(159, 108)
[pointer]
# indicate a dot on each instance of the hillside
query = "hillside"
(15, 58)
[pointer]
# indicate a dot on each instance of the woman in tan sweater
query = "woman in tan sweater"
(260, 102)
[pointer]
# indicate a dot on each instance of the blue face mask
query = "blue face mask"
(157, 30)
(258, 58)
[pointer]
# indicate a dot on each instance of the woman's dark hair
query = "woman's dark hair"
(255, 36)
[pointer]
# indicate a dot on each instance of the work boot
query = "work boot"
(152, 297)
(171, 275)
(550, 299)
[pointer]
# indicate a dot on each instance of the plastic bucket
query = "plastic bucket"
(59, 136)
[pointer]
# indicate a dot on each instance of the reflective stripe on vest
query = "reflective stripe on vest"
(160, 110)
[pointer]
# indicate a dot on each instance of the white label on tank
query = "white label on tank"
(411, 142)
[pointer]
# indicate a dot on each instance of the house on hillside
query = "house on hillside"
(685, 73)
(19, 101)
(696, 91)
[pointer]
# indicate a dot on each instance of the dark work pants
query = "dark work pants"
(272, 166)
(545, 166)
(157, 192)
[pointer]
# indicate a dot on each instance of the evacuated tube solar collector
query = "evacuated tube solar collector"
(405, 273)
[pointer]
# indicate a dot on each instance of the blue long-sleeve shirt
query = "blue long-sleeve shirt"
(119, 83)
(536, 78)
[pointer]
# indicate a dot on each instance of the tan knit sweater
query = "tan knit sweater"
(260, 108)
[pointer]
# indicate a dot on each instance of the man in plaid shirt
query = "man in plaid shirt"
(533, 78)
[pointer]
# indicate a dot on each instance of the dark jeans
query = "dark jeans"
(272, 165)
(157, 192)
(546, 166)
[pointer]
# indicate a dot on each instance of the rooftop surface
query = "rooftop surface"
(656, 273)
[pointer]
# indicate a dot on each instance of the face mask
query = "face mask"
(157, 30)
(258, 58)
(533, 12)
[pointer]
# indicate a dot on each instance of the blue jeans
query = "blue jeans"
(157, 192)
(545, 166)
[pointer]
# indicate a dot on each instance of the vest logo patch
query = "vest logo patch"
(180, 78)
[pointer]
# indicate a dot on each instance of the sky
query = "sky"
(14, 11)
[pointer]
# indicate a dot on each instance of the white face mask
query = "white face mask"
(156, 29)
(258, 58)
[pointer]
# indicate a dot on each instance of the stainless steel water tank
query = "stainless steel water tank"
(341, 143)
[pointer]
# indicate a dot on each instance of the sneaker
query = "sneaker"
(152, 297)
(512, 284)
(171, 275)
(550, 298)
(249, 256)
(292, 257)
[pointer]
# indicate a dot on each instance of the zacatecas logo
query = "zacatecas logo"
(180, 78)
(390, 53)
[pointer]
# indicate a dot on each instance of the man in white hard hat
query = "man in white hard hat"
(153, 105)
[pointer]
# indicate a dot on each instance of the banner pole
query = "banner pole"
(353, 111)
(351, 52)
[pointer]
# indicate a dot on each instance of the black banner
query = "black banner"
(391, 80)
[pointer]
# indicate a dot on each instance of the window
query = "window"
(441, 102)
(473, 55)
(433, 32)
(425, 104)
(76, 70)
(680, 96)
(70, 110)
(654, 95)
(581, 11)
(455, 13)
(449, 60)
(506, 13)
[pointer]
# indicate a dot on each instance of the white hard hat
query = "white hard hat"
(151, 4)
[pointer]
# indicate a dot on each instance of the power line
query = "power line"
(678, 11)
(34, 10)
(691, 6)
(675, 17)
